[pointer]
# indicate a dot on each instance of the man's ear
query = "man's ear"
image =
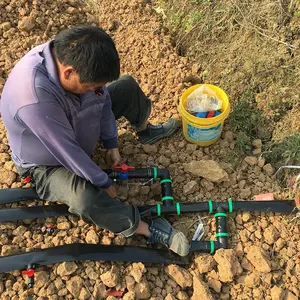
(68, 72)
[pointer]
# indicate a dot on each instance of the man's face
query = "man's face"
(71, 82)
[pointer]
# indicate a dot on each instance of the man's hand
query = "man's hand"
(113, 157)
(111, 191)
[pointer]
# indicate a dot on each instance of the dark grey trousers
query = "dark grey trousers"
(92, 204)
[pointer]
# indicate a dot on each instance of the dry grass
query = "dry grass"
(251, 49)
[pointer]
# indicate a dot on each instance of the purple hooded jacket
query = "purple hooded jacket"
(49, 126)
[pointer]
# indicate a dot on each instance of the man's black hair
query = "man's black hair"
(90, 51)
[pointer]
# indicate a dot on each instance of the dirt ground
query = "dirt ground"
(264, 260)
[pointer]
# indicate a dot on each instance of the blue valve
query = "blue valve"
(123, 176)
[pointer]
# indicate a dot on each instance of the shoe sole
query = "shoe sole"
(155, 139)
(180, 244)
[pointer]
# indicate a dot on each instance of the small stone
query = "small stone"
(63, 226)
(62, 292)
(74, 285)
(130, 282)
(137, 271)
(156, 189)
(257, 151)
(105, 240)
(277, 293)
(245, 193)
(170, 297)
(119, 240)
(7, 177)
(4, 157)
(279, 244)
(259, 259)
(251, 160)
(257, 143)
(190, 187)
(261, 162)
(100, 291)
(208, 185)
(214, 284)
(271, 234)
(164, 161)
(40, 278)
(9, 250)
(191, 148)
(228, 135)
(268, 169)
(134, 190)
(84, 294)
(110, 278)
(207, 169)
(150, 149)
(59, 283)
(290, 296)
(181, 295)
(67, 268)
(91, 273)
(242, 184)
(129, 296)
(228, 264)
(26, 24)
(20, 230)
(5, 26)
(201, 290)
(127, 150)
(205, 263)
(180, 275)
(252, 280)
(142, 290)
(145, 190)
(246, 217)
(71, 10)
(92, 237)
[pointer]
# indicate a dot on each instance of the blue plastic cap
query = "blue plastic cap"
(123, 176)
(201, 114)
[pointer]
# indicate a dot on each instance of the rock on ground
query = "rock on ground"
(66, 268)
(259, 259)
(190, 187)
(111, 277)
(92, 237)
(207, 169)
(74, 285)
(201, 290)
(277, 293)
(142, 290)
(228, 264)
(7, 177)
(180, 275)
(205, 263)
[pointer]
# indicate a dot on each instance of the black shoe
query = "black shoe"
(153, 133)
(163, 233)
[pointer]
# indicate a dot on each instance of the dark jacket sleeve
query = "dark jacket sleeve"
(48, 122)
(109, 131)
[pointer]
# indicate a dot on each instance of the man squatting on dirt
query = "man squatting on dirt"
(59, 99)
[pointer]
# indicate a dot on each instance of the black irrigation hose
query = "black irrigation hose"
(19, 194)
(79, 252)
(16, 195)
(32, 212)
